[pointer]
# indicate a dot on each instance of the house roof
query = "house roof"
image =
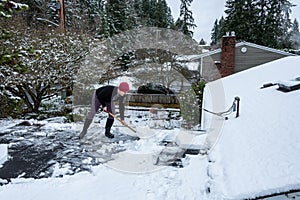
(256, 154)
(239, 44)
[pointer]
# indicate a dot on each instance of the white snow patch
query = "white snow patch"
(3, 153)
(108, 182)
(60, 171)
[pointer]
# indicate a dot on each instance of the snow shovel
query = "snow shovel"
(114, 116)
(144, 133)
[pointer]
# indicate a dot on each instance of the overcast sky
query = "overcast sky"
(205, 12)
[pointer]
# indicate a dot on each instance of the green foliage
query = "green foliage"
(126, 59)
(199, 88)
(10, 106)
(8, 7)
(7, 56)
(191, 105)
(189, 109)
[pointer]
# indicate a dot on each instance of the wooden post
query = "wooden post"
(237, 106)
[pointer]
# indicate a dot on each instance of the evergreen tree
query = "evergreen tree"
(217, 31)
(153, 13)
(124, 15)
(115, 10)
(185, 22)
(221, 28)
(102, 17)
(163, 17)
(273, 23)
(286, 23)
(144, 12)
(295, 35)
(7, 8)
(240, 19)
(214, 34)
(265, 22)
(84, 14)
(202, 42)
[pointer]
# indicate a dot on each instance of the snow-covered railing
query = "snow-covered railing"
(235, 107)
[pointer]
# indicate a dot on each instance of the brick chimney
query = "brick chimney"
(228, 54)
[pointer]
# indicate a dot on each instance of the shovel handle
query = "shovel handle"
(114, 116)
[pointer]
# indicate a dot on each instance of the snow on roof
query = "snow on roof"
(256, 154)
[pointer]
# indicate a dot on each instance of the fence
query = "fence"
(148, 100)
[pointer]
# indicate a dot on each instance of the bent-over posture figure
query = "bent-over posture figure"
(106, 96)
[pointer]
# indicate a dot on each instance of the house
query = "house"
(255, 154)
(234, 57)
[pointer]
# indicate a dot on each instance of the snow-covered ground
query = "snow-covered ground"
(256, 154)
(130, 171)
(3, 153)
(106, 183)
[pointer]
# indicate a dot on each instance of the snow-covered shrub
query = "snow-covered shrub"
(43, 63)
(10, 106)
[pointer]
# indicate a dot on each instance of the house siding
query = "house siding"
(253, 57)
(210, 62)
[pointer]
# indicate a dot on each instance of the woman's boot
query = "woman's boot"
(108, 125)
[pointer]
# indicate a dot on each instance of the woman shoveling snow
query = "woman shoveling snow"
(105, 97)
